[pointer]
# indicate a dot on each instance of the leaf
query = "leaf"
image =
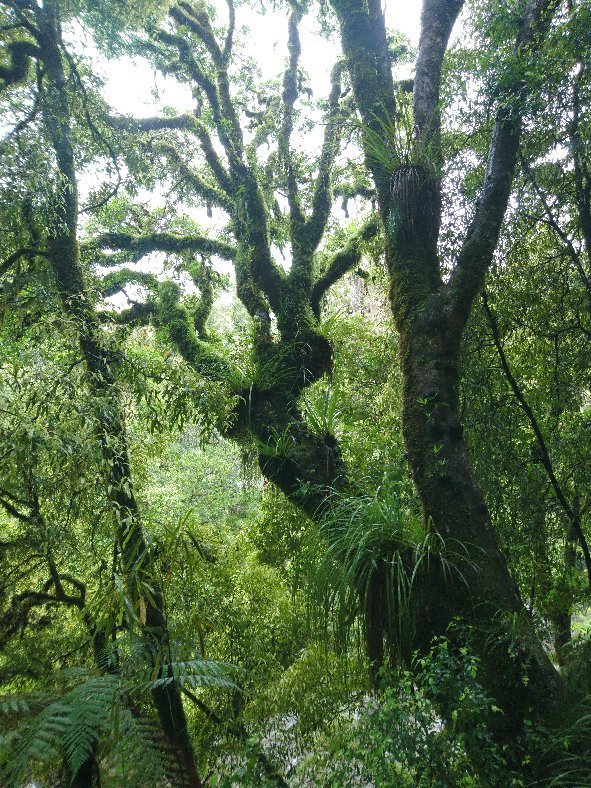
(142, 604)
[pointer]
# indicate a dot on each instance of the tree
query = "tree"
(59, 248)
(280, 200)
(431, 309)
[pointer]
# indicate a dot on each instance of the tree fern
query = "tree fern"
(91, 716)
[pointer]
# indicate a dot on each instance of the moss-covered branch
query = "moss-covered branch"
(116, 281)
(145, 125)
(343, 262)
(322, 200)
(141, 245)
(289, 97)
(218, 169)
(189, 123)
(138, 314)
(203, 278)
(177, 321)
(189, 65)
(20, 54)
(229, 40)
(198, 21)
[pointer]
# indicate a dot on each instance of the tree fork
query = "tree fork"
(430, 317)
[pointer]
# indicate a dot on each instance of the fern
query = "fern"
(39, 741)
(14, 707)
(91, 707)
(90, 717)
(139, 755)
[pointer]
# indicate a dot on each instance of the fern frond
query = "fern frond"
(90, 716)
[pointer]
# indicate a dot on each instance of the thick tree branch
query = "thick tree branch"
(7, 264)
(363, 34)
(176, 319)
(138, 314)
(145, 125)
(228, 127)
(21, 53)
(141, 245)
(437, 20)
(482, 236)
(180, 123)
(229, 41)
(116, 281)
(221, 175)
(342, 262)
(12, 510)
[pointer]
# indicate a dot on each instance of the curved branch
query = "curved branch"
(342, 262)
(176, 319)
(115, 281)
(21, 53)
(483, 233)
(139, 314)
(15, 256)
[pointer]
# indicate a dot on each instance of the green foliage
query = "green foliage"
(70, 727)
(263, 610)
(399, 738)
(392, 143)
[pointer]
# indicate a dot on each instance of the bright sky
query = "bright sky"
(133, 86)
(130, 86)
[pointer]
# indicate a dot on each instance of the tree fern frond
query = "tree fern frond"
(90, 716)
(93, 714)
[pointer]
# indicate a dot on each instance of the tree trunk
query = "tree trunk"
(474, 583)
(63, 254)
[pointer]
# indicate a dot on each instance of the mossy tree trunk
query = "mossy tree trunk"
(64, 258)
(430, 313)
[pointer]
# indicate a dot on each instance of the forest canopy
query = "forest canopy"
(295, 394)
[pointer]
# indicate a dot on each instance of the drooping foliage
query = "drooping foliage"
(294, 397)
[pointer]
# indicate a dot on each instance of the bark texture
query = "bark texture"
(63, 255)
(430, 314)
